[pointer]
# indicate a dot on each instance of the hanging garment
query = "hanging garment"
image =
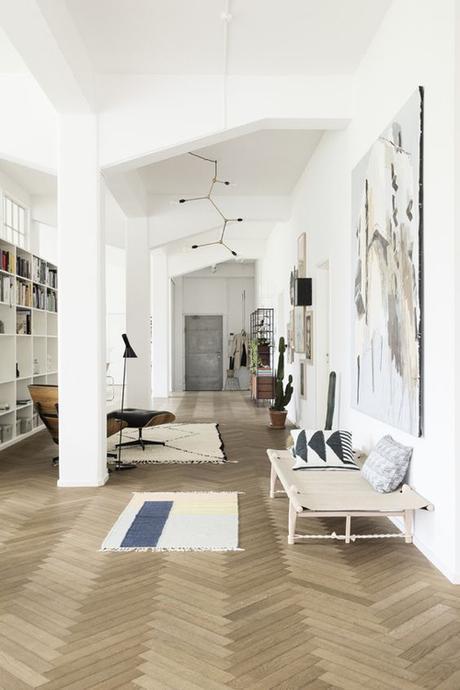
(244, 356)
(240, 349)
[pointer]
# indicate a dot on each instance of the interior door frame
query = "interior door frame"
(224, 348)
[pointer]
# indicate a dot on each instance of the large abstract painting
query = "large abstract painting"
(387, 195)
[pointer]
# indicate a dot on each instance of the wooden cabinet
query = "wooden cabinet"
(262, 387)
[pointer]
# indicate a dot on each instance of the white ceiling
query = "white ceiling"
(266, 37)
(262, 163)
(10, 60)
(34, 182)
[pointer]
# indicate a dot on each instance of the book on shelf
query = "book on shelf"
(39, 270)
(52, 301)
(6, 261)
(38, 297)
(5, 289)
(22, 267)
(23, 294)
(23, 322)
(52, 277)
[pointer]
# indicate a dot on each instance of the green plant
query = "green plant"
(254, 360)
(282, 395)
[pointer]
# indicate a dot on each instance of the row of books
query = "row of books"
(23, 323)
(23, 294)
(39, 270)
(52, 301)
(22, 267)
(38, 297)
(52, 278)
(6, 261)
(5, 289)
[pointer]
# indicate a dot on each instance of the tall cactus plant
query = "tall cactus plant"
(282, 395)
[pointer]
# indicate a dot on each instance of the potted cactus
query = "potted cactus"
(283, 395)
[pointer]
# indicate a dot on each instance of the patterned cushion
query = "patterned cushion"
(322, 450)
(387, 464)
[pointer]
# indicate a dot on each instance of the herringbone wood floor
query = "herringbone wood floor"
(321, 615)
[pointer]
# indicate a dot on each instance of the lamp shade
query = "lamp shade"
(129, 352)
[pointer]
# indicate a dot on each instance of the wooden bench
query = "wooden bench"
(339, 493)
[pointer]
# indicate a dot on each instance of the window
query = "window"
(14, 223)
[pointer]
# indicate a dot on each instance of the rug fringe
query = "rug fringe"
(180, 462)
(182, 493)
(173, 548)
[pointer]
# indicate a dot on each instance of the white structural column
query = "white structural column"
(161, 323)
(82, 415)
(138, 314)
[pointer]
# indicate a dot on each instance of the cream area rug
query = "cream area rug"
(184, 444)
(177, 521)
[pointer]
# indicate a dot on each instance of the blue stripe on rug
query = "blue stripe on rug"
(147, 526)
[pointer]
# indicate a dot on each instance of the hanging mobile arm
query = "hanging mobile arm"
(215, 180)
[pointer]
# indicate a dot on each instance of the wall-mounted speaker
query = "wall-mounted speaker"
(303, 292)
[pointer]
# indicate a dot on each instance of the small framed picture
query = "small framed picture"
(309, 335)
(302, 255)
(303, 379)
(292, 281)
(299, 329)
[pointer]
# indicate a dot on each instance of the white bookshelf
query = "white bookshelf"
(28, 354)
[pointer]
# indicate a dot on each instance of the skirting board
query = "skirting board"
(75, 485)
(451, 575)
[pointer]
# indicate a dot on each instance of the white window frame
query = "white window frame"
(15, 230)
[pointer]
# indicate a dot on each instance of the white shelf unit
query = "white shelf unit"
(28, 337)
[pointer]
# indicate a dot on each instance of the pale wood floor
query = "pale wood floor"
(322, 615)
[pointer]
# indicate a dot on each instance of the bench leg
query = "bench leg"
(273, 478)
(291, 523)
(347, 529)
(408, 525)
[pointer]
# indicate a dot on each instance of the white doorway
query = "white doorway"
(321, 356)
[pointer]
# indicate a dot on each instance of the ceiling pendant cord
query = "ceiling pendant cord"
(215, 180)
(226, 18)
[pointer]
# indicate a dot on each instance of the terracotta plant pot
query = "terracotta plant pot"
(277, 418)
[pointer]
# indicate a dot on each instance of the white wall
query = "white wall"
(115, 276)
(201, 294)
(161, 323)
(28, 126)
(414, 46)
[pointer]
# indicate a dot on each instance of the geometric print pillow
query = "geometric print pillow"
(323, 450)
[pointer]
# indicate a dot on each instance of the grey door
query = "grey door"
(203, 353)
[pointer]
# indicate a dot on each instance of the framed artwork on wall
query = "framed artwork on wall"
(291, 330)
(292, 281)
(309, 335)
(299, 329)
(303, 379)
(288, 338)
(387, 327)
(302, 255)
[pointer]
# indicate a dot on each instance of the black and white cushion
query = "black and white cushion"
(322, 450)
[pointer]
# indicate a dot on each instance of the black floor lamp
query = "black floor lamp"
(127, 354)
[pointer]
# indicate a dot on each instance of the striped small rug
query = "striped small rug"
(177, 521)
